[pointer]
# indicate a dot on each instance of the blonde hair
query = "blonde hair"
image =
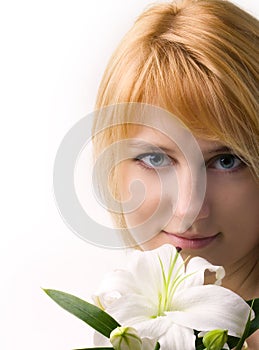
(198, 59)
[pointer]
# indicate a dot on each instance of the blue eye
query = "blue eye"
(226, 162)
(154, 160)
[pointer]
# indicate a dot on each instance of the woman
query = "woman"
(198, 60)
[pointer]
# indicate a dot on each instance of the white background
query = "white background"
(52, 57)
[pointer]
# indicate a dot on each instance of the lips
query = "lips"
(190, 241)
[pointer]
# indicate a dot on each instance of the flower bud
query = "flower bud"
(125, 338)
(215, 340)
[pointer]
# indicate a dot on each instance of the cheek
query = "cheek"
(235, 208)
(152, 207)
(244, 210)
(140, 194)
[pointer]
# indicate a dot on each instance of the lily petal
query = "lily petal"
(155, 326)
(131, 309)
(146, 267)
(178, 338)
(115, 284)
(196, 269)
(171, 335)
(210, 307)
(148, 344)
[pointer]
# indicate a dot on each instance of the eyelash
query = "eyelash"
(231, 156)
(209, 163)
(141, 162)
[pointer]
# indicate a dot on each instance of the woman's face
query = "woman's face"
(222, 226)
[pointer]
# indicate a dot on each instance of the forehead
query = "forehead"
(169, 142)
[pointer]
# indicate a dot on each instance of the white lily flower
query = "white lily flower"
(164, 300)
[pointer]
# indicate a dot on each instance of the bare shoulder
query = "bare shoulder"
(253, 341)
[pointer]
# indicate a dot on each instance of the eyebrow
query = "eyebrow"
(219, 149)
(149, 146)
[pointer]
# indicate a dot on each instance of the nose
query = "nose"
(191, 202)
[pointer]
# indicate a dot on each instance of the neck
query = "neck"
(242, 276)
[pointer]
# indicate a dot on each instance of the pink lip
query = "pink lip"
(189, 242)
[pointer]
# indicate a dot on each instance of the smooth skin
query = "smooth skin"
(226, 229)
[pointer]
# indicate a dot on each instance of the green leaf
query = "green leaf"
(199, 347)
(254, 325)
(232, 341)
(90, 314)
(246, 331)
(157, 347)
(198, 342)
